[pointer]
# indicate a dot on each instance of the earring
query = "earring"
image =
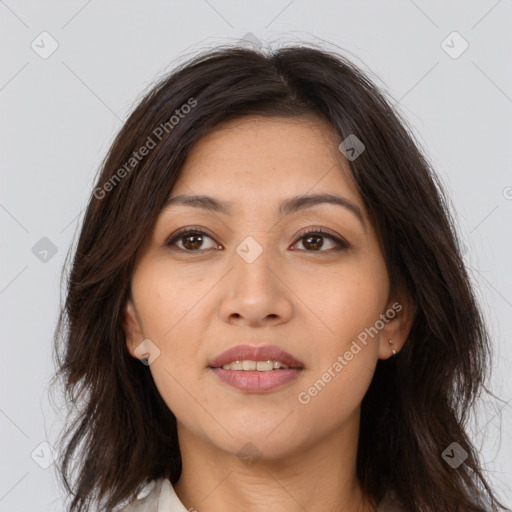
(392, 349)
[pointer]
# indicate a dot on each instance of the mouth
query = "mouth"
(256, 368)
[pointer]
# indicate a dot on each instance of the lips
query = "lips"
(254, 381)
(255, 353)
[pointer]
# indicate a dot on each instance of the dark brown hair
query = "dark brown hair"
(120, 431)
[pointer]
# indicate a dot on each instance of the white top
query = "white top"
(159, 496)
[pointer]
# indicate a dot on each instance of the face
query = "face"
(306, 277)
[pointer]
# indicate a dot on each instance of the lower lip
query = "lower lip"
(255, 381)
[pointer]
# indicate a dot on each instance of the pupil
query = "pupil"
(194, 245)
(315, 245)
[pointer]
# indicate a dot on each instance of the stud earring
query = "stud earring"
(392, 349)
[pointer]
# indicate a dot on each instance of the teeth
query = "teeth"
(249, 365)
(261, 366)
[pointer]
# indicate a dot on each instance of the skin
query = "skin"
(311, 300)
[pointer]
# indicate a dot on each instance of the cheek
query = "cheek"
(178, 373)
(349, 301)
(166, 298)
(170, 310)
(343, 301)
(332, 397)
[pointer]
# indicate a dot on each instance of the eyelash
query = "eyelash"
(311, 231)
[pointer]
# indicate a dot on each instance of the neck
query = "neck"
(315, 478)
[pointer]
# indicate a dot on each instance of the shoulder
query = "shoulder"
(157, 496)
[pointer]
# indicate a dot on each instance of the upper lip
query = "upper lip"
(255, 353)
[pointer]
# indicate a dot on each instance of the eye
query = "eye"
(191, 240)
(313, 240)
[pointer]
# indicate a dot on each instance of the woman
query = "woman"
(268, 240)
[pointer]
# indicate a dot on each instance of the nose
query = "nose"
(256, 293)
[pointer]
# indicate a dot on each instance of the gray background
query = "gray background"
(60, 113)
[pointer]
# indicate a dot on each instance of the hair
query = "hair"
(418, 402)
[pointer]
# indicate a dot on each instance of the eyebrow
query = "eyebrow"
(287, 207)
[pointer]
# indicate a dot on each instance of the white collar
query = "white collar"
(158, 496)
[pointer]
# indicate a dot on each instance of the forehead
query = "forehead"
(277, 156)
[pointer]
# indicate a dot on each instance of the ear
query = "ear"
(398, 319)
(132, 328)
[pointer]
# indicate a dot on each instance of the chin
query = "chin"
(267, 437)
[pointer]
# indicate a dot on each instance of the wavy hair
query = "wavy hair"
(120, 434)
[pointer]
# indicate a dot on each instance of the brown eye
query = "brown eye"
(194, 240)
(191, 241)
(314, 241)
